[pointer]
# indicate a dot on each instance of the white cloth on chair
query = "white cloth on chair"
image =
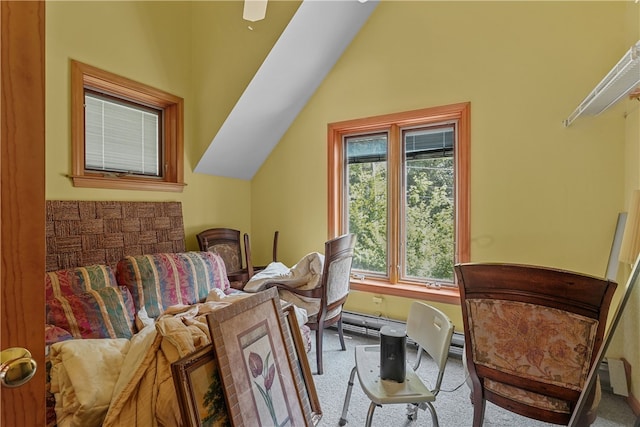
(306, 274)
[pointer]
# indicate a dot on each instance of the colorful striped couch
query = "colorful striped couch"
(100, 302)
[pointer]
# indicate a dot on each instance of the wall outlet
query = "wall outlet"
(377, 300)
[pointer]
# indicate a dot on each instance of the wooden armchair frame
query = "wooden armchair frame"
(251, 269)
(336, 273)
(526, 331)
(226, 243)
(229, 240)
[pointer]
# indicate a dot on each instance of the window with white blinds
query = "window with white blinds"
(121, 138)
(125, 134)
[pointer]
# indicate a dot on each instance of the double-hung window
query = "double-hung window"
(125, 134)
(400, 183)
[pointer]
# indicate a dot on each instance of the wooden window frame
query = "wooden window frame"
(85, 76)
(391, 123)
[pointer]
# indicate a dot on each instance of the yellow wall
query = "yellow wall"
(540, 193)
(226, 53)
(626, 340)
(150, 42)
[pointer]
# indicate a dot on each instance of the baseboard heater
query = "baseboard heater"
(368, 325)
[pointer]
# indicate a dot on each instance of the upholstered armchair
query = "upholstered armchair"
(226, 243)
(324, 302)
(531, 337)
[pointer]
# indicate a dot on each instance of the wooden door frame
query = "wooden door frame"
(22, 202)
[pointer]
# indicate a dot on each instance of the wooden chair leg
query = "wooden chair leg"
(319, 340)
(319, 335)
(341, 334)
(478, 412)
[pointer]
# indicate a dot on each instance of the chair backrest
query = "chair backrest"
(432, 330)
(276, 234)
(531, 335)
(251, 269)
(226, 243)
(336, 274)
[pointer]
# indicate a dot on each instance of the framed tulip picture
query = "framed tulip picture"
(256, 359)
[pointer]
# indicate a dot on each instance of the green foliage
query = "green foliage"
(215, 404)
(368, 215)
(429, 217)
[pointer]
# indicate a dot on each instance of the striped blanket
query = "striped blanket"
(124, 383)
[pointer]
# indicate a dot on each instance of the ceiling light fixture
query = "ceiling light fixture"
(254, 10)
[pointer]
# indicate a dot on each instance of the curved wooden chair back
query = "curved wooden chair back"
(226, 243)
(252, 269)
(531, 336)
(332, 291)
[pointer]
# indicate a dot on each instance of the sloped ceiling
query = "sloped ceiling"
(306, 51)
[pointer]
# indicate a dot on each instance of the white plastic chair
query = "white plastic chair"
(432, 330)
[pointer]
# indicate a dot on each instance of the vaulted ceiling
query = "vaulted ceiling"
(308, 48)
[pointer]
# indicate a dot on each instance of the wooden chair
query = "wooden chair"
(226, 243)
(332, 291)
(531, 337)
(247, 254)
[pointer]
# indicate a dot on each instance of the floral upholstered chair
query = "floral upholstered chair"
(325, 300)
(226, 243)
(531, 337)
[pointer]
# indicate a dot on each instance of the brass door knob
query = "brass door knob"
(16, 367)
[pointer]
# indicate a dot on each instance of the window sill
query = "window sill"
(447, 295)
(126, 184)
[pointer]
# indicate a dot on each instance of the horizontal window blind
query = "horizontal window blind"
(429, 143)
(120, 137)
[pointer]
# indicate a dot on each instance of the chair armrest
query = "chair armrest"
(310, 293)
(237, 280)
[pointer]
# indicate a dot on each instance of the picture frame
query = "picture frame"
(199, 389)
(302, 362)
(262, 385)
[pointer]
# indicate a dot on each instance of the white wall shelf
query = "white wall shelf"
(623, 78)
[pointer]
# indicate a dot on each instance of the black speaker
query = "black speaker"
(392, 353)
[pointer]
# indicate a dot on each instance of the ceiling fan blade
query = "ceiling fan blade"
(254, 10)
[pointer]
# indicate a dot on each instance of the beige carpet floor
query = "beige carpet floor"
(452, 405)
